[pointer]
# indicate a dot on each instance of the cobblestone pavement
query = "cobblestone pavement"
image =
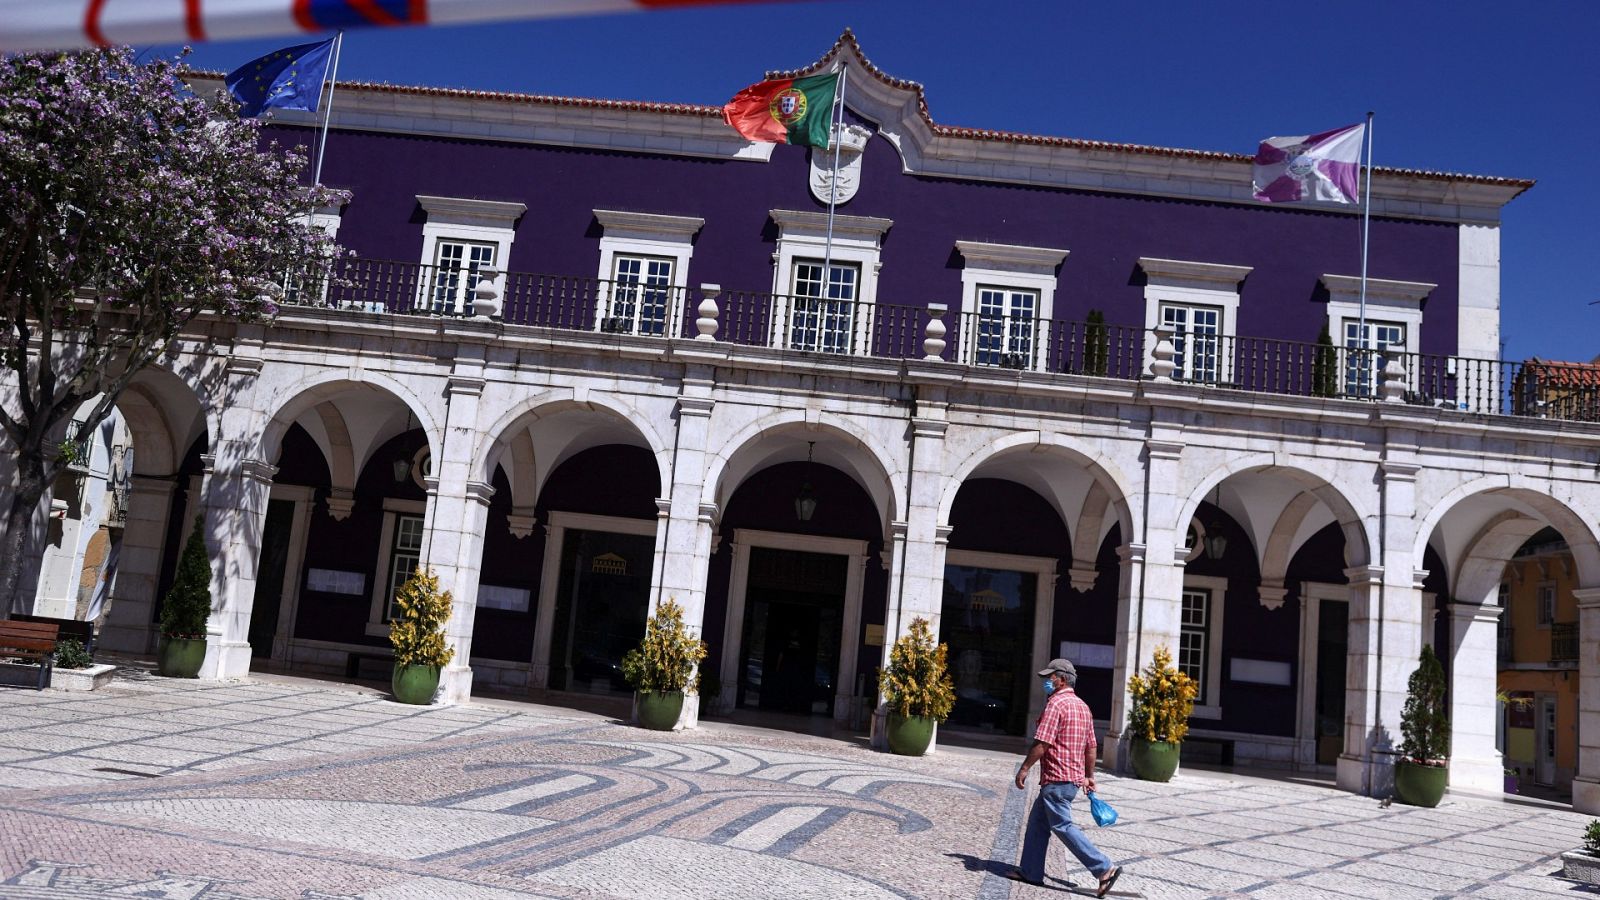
(284, 788)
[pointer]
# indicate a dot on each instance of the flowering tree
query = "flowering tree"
(128, 207)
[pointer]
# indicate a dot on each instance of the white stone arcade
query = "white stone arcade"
(1399, 481)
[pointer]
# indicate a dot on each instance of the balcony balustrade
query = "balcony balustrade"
(1564, 644)
(850, 328)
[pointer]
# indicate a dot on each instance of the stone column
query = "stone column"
(1149, 588)
(686, 526)
(458, 514)
(129, 624)
(1475, 762)
(916, 576)
(1385, 639)
(1586, 783)
(235, 504)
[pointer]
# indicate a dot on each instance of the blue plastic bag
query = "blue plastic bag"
(1103, 813)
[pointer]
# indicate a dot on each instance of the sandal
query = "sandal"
(1108, 881)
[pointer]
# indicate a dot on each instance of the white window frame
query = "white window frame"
(647, 235)
(1009, 267)
(1187, 283)
(325, 218)
(1210, 705)
(803, 235)
(1546, 613)
(472, 221)
(1369, 372)
(1395, 302)
(1184, 343)
(393, 509)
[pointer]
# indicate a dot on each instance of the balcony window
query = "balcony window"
(1196, 341)
(822, 317)
(1365, 352)
(1007, 301)
(1005, 327)
(641, 295)
(644, 262)
(456, 269)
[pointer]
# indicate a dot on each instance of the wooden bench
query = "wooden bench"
(77, 629)
(31, 643)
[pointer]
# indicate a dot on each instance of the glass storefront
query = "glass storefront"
(601, 606)
(987, 620)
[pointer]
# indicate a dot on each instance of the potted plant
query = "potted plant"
(1421, 773)
(917, 689)
(417, 636)
(662, 668)
(1163, 699)
(186, 609)
(1584, 864)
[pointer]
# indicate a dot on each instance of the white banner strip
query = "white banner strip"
(66, 24)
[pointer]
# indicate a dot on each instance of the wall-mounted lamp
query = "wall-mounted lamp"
(805, 502)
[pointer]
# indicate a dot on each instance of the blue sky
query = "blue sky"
(1470, 86)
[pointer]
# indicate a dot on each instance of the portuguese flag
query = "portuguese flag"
(785, 111)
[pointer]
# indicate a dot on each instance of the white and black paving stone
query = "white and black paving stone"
(278, 787)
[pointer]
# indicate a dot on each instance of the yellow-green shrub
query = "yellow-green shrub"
(917, 683)
(1163, 699)
(665, 660)
(418, 633)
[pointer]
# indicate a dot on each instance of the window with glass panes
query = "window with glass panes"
(457, 265)
(641, 295)
(1364, 346)
(1547, 604)
(822, 317)
(1004, 332)
(1196, 340)
(1194, 639)
(405, 553)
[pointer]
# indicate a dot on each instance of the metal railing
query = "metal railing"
(852, 328)
(1563, 643)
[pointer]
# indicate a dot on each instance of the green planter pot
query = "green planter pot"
(414, 684)
(1419, 785)
(180, 657)
(659, 711)
(1154, 760)
(909, 735)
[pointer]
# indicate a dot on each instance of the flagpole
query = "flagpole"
(833, 183)
(1366, 228)
(327, 113)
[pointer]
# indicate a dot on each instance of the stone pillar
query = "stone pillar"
(1586, 784)
(687, 526)
(235, 503)
(458, 515)
(916, 576)
(1385, 640)
(1149, 588)
(1475, 763)
(129, 624)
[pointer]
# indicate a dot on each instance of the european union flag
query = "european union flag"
(290, 78)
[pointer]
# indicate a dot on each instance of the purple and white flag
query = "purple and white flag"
(1310, 166)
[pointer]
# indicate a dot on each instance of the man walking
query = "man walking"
(1063, 745)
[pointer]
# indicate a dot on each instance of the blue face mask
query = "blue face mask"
(1049, 686)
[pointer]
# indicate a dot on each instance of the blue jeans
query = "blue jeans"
(1053, 812)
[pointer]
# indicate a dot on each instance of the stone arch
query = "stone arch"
(154, 405)
(1102, 471)
(1352, 518)
(868, 463)
(508, 443)
(320, 387)
(1535, 508)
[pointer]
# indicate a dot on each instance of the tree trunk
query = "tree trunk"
(30, 490)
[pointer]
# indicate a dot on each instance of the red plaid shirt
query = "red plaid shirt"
(1068, 727)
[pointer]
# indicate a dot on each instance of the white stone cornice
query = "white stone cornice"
(1163, 449)
(1474, 612)
(695, 406)
(708, 513)
(462, 211)
(257, 470)
(479, 492)
(1132, 552)
(803, 221)
(521, 525)
(929, 428)
(1082, 578)
(1011, 257)
(341, 502)
(465, 385)
(1399, 471)
(941, 534)
(1363, 576)
(1184, 273)
(1272, 595)
(1379, 290)
(1588, 598)
(662, 226)
(663, 507)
